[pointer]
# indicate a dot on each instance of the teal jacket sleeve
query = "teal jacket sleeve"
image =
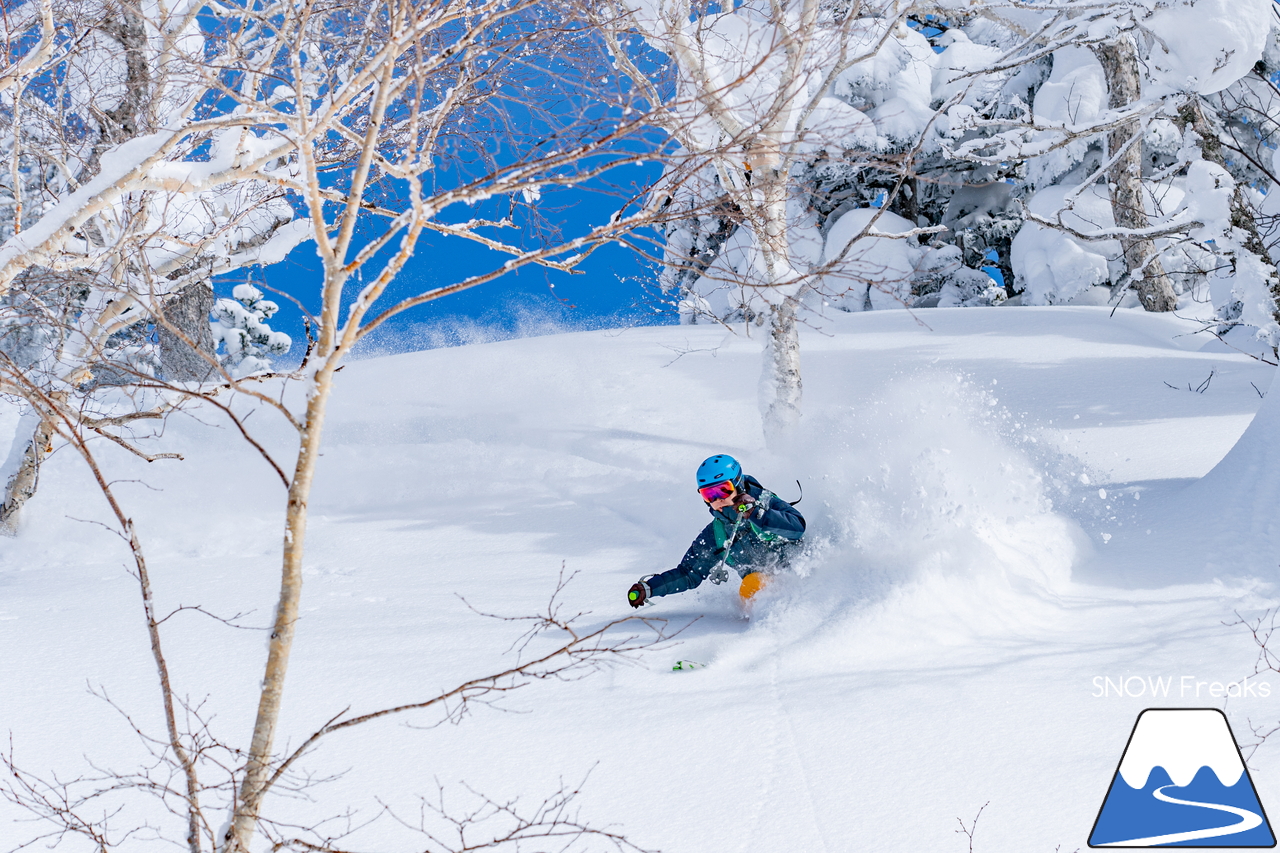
(696, 565)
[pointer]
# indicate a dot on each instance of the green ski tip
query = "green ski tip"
(686, 665)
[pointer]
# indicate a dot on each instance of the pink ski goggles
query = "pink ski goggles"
(717, 491)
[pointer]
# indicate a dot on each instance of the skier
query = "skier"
(752, 531)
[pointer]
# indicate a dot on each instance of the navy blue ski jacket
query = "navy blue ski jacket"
(772, 531)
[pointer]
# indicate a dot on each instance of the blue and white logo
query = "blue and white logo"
(1181, 783)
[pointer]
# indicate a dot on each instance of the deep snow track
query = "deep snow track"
(936, 650)
(788, 728)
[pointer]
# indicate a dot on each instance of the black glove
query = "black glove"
(638, 594)
(744, 504)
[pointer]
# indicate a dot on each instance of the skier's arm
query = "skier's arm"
(779, 518)
(694, 567)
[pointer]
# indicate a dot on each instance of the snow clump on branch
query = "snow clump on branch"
(240, 326)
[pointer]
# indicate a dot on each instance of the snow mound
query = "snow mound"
(941, 609)
(1226, 522)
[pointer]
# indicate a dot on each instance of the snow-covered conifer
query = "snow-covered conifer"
(240, 328)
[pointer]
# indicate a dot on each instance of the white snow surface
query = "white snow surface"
(1005, 505)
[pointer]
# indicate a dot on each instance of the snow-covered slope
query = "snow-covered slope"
(1001, 531)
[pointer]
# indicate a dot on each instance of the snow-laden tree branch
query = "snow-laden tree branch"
(809, 132)
(1124, 78)
(997, 124)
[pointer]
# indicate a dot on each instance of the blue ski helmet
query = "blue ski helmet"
(718, 469)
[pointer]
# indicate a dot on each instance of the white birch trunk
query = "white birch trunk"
(780, 385)
(1119, 59)
(244, 821)
(21, 486)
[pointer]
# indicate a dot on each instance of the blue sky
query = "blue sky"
(611, 292)
(546, 100)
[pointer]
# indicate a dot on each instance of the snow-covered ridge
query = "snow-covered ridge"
(1181, 741)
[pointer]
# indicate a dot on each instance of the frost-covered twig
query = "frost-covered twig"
(38, 55)
(1056, 134)
(970, 830)
(1262, 629)
(574, 657)
(489, 824)
(68, 429)
(1165, 229)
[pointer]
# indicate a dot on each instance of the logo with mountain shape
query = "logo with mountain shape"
(1182, 783)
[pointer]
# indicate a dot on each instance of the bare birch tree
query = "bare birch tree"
(377, 121)
(745, 103)
(1119, 58)
(105, 235)
(772, 93)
